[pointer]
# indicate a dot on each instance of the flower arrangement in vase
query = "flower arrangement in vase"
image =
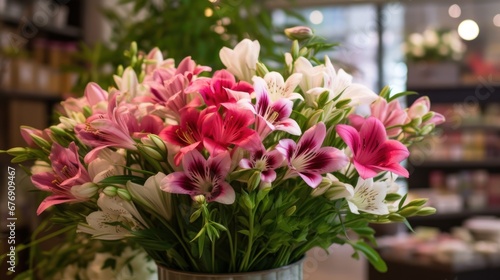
(241, 170)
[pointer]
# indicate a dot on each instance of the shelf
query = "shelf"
(50, 97)
(459, 215)
(481, 93)
(70, 32)
(486, 163)
(483, 126)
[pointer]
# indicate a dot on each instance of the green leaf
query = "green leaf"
(401, 94)
(122, 180)
(402, 201)
(407, 224)
(371, 254)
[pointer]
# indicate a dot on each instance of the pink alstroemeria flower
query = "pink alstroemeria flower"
(224, 129)
(28, 131)
(372, 151)
(390, 114)
(108, 130)
(202, 177)
(265, 161)
(187, 134)
(68, 172)
(221, 88)
(272, 115)
(308, 159)
(420, 108)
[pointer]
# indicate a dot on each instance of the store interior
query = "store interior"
(446, 50)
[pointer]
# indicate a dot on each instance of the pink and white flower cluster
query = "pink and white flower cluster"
(181, 133)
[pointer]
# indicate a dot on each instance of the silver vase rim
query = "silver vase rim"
(233, 274)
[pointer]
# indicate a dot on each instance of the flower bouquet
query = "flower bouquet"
(244, 169)
(434, 45)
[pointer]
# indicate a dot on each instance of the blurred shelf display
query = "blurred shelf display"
(459, 167)
(469, 251)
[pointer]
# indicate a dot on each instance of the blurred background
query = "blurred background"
(447, 50)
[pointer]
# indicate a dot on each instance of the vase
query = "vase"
(290, 272)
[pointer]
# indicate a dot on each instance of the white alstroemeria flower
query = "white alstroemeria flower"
(279, 89)
(242, 60)
(128, 82)
(108, 163)
(113, 210)
(390, 179)
(340, 83)
(312, 76)
(136, 265)
(369, 197)
(151, 196)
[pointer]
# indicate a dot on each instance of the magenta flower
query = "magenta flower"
(187, 134)
(390, 114)
(308, 159)
(202, 177)
(372, 151)
(264, 161)
(68, 172)
(272, 115)
(221, 88)
(227, 128)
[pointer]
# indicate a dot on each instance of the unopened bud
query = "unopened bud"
(427, 129)
(428, 116)
(200, 199)
(417, 202)
(299, 33)
(261, 69)
(416, 122)
(409, 211)
(40, 142)
(84, 191)
(396, 217)
(426, 211)
(315, 118)
(124, 194)
(154, 154)
(158, 142)
(109, 191)
(254, 181)
(289, 212)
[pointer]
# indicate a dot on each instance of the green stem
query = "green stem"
(213, 255)
(246, 259)
(232, 265)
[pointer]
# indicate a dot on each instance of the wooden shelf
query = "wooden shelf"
(70, 32)
(49, 97)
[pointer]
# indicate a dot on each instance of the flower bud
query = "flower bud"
(261, 69)
(417, 202)
(17, 151)
(133, 48)
(426, 211)
(124, 194)
(109, 191)
(409, 129)
(409, 211)
(416, 122)
(427, 116)
(84, 191)
(119, 70)
(158, 142)
(151, 152)
(58, 131)
(200, 199)
(315, 118)
(299, 33)
(254, 181)
(289, 212)
(427, 129)
(394, 217)
(40, 142)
